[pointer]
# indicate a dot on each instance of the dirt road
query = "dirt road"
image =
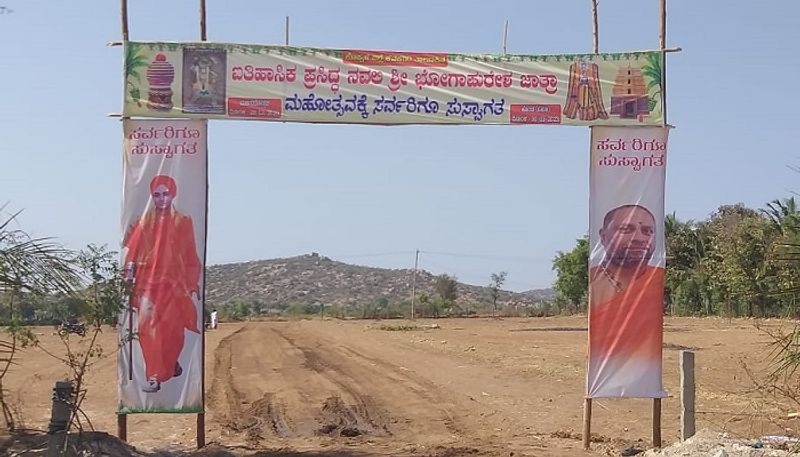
(468, 387)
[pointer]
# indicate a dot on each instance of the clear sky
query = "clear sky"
(474, 199)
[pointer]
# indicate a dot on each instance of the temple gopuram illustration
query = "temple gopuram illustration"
(584, 98)
(629, 98)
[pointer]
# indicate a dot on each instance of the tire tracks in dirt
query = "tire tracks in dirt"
(429, 397)
(275, 381)
(265, 415)
(358, 416)
(420, 386)
(224, 399)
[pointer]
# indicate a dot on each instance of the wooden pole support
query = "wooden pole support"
(662, 34)
(122, 426)
(595, 36)
(687, 395)
(201, 430)
(656, 422)
(124, 16)
(202, 20)
(587, 422)
(662, 44)
(201, 417)
(122, 419)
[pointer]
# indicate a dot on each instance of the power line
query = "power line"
(485, 256)
(374, 254)
(473, 273)
(446, 254)
(474, 276)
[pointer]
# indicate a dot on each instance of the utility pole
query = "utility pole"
(505, 37)
(414, 283)
(595, 37)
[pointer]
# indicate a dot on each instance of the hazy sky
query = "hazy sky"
(476, 199)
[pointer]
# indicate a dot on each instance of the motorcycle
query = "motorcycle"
(66, 328)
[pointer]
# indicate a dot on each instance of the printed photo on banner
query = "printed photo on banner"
(626, 266)
(163, 242)
(204, 72)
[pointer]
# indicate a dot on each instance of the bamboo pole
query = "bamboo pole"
(662, 44)
(122, 426)
(122, 419)
(656, 422)
(201, 430)
(587, 422)
(595, 36)
(124, 16)
(202, 20)
(662, 35)
(201, 298)
(667, 50)
(201, 417)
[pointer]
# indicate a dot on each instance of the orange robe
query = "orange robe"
(167, 273)
(625, 339)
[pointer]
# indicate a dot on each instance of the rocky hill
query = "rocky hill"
(313, 279)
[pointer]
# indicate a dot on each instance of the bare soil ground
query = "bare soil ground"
(495, 387)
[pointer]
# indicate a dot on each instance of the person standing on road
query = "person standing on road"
(214, 319)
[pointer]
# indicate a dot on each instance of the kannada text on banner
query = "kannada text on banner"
(627, 260)
(290, 84)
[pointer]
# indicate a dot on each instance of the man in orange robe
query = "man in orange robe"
(162, 253)
(626, 297)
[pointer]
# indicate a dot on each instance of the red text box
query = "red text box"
(260, 108)
(535, 114)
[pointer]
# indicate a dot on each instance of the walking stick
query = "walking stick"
(130, 270)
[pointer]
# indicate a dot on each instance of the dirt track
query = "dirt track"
(472, 386)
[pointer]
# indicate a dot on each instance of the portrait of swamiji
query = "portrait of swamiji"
(626, 293)
(162, 264)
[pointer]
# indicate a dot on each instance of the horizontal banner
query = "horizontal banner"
(290, 84)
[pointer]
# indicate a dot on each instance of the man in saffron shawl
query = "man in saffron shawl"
(626, 297)
(161, 250)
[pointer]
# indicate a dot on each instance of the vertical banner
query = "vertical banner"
(627, 260)
(160, 362)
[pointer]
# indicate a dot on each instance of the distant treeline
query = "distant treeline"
(54, 308)
(738, 262)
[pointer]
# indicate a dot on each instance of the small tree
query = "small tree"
(104, 296)
(494, 288)
(33, 266)
(446, 288)
(424, 301)
(381, 306)
(572, 274)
